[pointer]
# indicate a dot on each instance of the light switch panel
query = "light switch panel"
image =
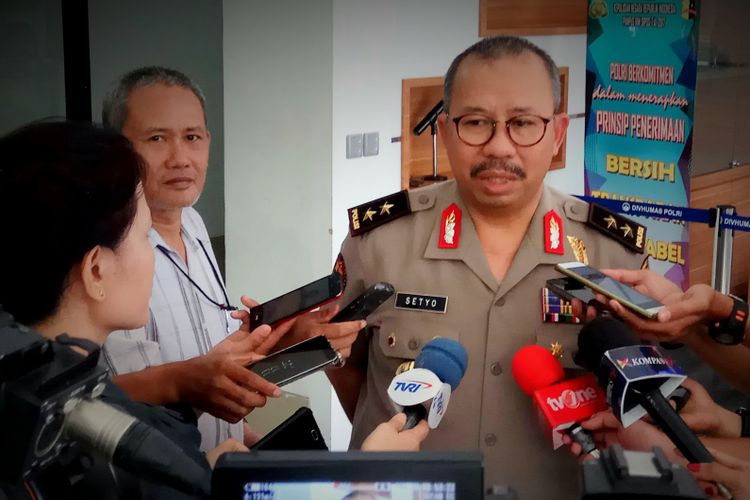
(354, 146)
(371, 145)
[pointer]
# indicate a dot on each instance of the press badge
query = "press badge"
(416, 302)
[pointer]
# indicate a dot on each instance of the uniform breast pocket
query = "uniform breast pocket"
(561, 339)
(401, 339)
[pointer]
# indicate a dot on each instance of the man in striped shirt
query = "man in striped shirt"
(185, 353)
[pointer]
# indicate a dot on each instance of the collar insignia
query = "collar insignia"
(450, 227)
(553, 233)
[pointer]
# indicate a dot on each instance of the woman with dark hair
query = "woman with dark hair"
(75, 259)
(68, 198)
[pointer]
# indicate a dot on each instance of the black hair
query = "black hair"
(65, 188)
(498, 47)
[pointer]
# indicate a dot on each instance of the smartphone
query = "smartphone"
(365, 304)
(297, 301)
(298, 432)
(625, 294)
(569, 289)
(296, 361)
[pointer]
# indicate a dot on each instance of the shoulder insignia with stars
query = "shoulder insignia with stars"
(621, 228)
(368, 216)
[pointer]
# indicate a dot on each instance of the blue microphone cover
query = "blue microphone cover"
(446, 358)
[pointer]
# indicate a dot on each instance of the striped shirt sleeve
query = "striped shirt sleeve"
(127, 351)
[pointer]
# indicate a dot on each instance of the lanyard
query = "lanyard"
(226, 306)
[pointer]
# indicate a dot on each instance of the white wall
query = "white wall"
(375, 46)
(277, 90)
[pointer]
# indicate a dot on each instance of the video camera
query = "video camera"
(56, 426)
(40, 382)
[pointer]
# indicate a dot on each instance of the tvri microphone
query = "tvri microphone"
(437, 371)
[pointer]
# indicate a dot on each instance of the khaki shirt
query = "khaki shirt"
(492, 320)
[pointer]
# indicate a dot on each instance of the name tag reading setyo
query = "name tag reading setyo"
(416, 302)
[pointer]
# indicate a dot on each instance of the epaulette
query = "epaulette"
(619, 227)
(368, 216)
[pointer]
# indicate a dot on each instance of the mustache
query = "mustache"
(497, 166)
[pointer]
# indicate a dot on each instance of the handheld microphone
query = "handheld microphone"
(134, 446)
(560, 404)
(636, 379)
(437, 371)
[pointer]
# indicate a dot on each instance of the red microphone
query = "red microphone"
(560, 404)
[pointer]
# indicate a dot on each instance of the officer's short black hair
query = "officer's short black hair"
(496, 48)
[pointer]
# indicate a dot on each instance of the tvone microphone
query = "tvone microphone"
(636, 379)
(437, 371)
(561, 404)
(134, 446)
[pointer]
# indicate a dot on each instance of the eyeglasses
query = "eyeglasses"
(523, 130)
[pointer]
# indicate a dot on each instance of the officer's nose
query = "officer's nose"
(500, 145)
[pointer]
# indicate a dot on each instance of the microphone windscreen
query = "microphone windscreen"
(446, 358)
(534, 368)
(599, 336)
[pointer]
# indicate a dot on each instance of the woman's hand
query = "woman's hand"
(390, 436)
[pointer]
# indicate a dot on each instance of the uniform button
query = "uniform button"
(423, 199)
(490, 439)
(405, 367)
(496, 369)
(392, 340)
(413, 344)
(500, 302)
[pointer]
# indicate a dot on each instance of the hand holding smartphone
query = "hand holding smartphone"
(569, 289)
(611, 288)
(295, 362)
(298, 432)
(365, 304)
(296, 302)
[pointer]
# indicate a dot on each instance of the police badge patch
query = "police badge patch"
(340, 268)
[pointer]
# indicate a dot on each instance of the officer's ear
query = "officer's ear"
(560, 121)
(442, 121)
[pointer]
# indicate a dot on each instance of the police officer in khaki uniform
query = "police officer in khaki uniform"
(469, 260)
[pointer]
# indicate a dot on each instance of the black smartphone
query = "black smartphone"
(569, 289)
(365, 304)
(298, 432)
(297, 301)
(625, 294)
(296, 361)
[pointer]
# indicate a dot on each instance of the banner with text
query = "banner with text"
(640, 87)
